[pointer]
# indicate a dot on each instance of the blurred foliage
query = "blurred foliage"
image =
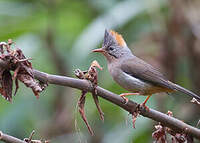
(63, 32)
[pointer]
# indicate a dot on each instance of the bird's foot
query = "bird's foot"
(125, 99)
(144, 106)
(144, 103)
(135, 114)
(127, 94)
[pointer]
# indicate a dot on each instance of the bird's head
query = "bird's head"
(113, 47)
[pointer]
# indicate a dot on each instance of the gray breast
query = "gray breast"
(131, 83)
(127, 81)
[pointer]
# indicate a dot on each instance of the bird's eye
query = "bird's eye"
(111, 48)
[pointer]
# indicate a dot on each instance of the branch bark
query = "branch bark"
(171, 122)
(10, 139)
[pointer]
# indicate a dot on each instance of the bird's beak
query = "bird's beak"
(100, 50)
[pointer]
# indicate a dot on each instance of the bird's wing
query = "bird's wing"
(144, 71)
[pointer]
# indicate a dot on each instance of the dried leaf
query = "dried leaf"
(134, 117)
(22, 71)
(96, 64)
(92, 76)
(10, 42)
(195, 101)
(81, 104)
(16, 86)
(78, 73)
(169, 113)
(160, 134)
(7, 84)
(1, 49)
(96, 100)
(180, 138)
(30, 82)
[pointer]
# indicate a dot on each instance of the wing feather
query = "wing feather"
(144, 71)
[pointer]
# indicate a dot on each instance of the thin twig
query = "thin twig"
(28, 140)
(9, 139)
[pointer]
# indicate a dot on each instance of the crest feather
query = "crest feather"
(118, 38)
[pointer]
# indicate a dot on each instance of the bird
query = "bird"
(133, 73)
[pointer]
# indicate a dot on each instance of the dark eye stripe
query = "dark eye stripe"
(112, 55)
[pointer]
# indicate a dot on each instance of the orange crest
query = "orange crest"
(118, 38)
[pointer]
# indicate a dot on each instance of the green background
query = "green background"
(59, 36)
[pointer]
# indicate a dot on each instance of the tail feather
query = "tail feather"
(183, 90)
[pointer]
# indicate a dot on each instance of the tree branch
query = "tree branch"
(171, 122)
(10, 139)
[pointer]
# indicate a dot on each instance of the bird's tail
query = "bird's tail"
(185, 91)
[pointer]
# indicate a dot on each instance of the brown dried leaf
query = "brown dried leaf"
(81, 104)
(30, 82)
(10, 42)
(134, 117)
(160, 134)
(91, 75)
(7, 84)
(16, 86)
(180, 138)
(96, 64)
(169, 113)
(78, 73)
(22, 71)
(1, 49)
(96, 100)
(195, 101)
(43, 85)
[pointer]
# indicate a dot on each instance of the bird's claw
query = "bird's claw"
(125, 99)
(144, 106)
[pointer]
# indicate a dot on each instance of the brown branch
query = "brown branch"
(10, 139)
(171, 122)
